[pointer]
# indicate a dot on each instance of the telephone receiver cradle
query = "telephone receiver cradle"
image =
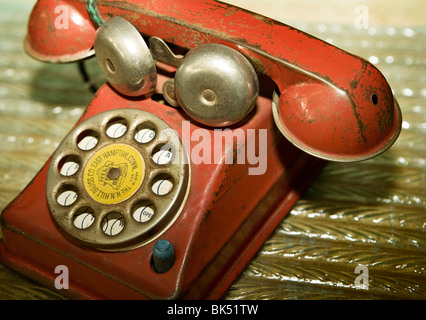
(123, 202)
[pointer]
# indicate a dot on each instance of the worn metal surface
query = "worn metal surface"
(371, 213)
(228, 214)
(333, 104)
(124, 58)
(72, 29)
(120, 151)
(216, 85)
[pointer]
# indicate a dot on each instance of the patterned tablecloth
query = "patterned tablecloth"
(369, 215)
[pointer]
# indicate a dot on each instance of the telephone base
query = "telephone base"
(25, 265)
(46, 275)
(227, 217)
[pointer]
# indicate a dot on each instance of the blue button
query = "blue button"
(163, 256)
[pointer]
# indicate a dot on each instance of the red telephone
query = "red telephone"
(171, 200)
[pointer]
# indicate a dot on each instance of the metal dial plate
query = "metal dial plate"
(118, 180)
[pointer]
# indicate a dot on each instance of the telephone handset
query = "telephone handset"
(331, 104)
(123, 202)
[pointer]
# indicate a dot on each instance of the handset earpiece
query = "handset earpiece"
(215, 85)
(124, 58)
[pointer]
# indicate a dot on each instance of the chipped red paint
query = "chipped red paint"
(58, 32)
(293, 59)
(332, 104)
(227, 217)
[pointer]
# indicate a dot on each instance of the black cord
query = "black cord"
(86, 77)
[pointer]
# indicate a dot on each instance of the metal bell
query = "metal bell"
(124, 58)
(216, 85)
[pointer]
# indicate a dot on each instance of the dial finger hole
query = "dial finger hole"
(162, 154)
(143, 211)
(113, 224)
(116, 128)
(69, 165)
(162, 185)
(145, 132)
(84, 218)
(87, 140)
(67, 195)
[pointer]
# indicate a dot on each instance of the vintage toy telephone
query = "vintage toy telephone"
(141, 200)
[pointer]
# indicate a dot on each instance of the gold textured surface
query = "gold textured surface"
(371, 213)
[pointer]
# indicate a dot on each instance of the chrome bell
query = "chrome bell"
(216, 85)
(124, 58)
